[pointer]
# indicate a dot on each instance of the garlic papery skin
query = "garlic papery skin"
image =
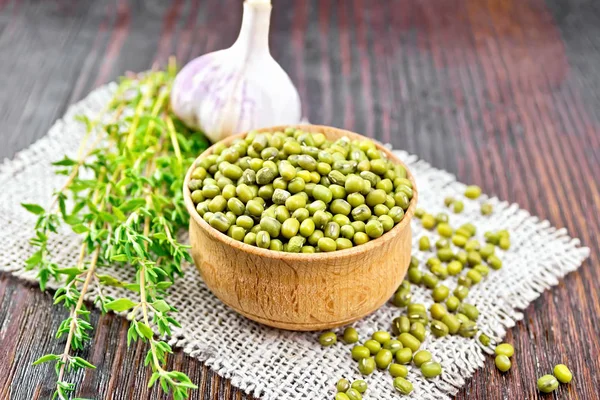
(240, 88)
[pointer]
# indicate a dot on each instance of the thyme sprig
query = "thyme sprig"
(122, 196)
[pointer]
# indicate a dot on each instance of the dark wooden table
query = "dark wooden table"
(503, 93)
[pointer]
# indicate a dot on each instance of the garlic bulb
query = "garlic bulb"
(239, 88)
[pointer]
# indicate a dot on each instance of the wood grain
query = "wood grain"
(503, 93)
(303, 292)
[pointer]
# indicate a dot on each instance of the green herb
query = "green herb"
(122, 196)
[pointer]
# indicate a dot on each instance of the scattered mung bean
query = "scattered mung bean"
(502, 363)
(402, 385)
(505, 349)
(342, 385)
(359, 385)
(431, 369)
(350, 335)
(562, 373)
(547, 384)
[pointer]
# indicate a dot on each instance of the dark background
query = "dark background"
(503, 93)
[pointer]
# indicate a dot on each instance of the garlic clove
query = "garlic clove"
(239, 88)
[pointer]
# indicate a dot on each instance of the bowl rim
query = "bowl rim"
(280, 255)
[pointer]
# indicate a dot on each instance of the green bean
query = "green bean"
(236, 232)
(219, 222)
(400, 325)
(461, 257)
(343, 243)
(271, 225)
(484, 339)
(474, 276)
(359, 352)
(350, 335)
(361, 213)
(366, 366)
(440, 293)
(430, 280)
(454, 267)
(428, 221)
(402, 385)
(414, 275)
(245, 222)
(562, 373)
(383, 358)
(424, 244)
(421, 357)
(308, 250)
(398, 370)
(547, 384)
(353, 394)
(414, 263)
(409, 341)
(467, 329)
(396, 213)
(281, 213)
(444, 229)
(464, 281)
(472, 192)
(457, 207)
(342, 385)
(502, 363)
(381, 336)
(431, 369)
(469, 310)
(313, 239)
(461, 292)
(386, 222)
(393, 346)
(328, 339)
(263, 239)
(452, 323)
(504, 349)
(437, 311)
(290, 228)
(439, 329)
(483, 270)
(373, 345)
(347, 231)
(321, 218)
(417, 329)
(359, 385)
(404, 355)
(494, 262)
(374, 229)
(332, 230)
(280, 196)
(402, 298)
(296, 244)
(276, 245)
(459, 240)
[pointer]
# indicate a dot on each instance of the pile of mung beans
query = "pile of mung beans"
(298, 192)
(458, 254)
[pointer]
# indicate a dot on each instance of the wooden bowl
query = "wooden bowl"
(301, 292)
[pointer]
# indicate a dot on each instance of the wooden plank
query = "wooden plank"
(505, 94)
